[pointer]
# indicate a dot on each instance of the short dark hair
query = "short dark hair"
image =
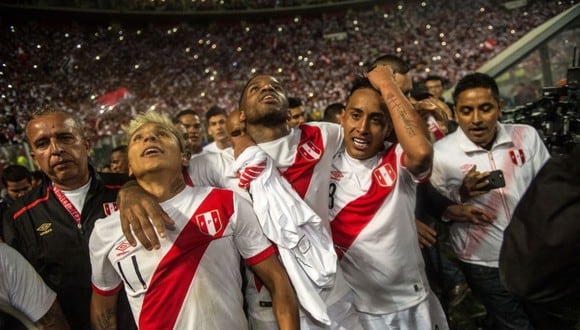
(15, 173)
(183, 113)
(294, 102)
(360, 83)
(433, 77)
(122, 148)
(44, 112)
(215, 111)
(37, 175)
(398, 64)
(476, 80)
(331, 111)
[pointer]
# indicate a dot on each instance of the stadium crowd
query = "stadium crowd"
(345, 221)
(174, 67)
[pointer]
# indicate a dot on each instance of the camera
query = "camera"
(556, 115)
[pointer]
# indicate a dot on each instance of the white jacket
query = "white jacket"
(519, 152)
(306, 252)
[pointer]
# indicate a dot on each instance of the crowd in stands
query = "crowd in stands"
(176, 5)
(180, 66)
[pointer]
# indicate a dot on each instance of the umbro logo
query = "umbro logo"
(44, 229)
(123, 248)
(336, 175)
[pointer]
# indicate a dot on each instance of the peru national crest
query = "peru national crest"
(385, 175)
(110, 208)
(209, 223)
(310, 151)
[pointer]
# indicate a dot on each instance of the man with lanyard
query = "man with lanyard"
(52, 224)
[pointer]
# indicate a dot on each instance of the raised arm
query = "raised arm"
(141, 216)
(409, 126)
(284, 301)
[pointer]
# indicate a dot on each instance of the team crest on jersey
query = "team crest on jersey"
(385, 175)
(44, 229)
(518, 157)
(209, 223)
(123, 248)
(336, 175)
(110, 208)
(310, 151)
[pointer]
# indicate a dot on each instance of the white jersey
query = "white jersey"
(304, 158)
(21, 287)
(519, 152)
(212, 147)
(193, 281)
(372, 205)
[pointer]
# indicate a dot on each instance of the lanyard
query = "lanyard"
(68, 205)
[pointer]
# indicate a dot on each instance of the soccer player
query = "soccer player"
(372, 202)
(193, 281)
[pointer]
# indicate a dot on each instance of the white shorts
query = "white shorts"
(426, 315)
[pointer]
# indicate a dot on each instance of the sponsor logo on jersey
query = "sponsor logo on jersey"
(310, 151)
(518, 157)
(466, 168)
(385, 175)
(209, 223)
(110, 208)
(123, 248)
(44, 229)
(336, 175)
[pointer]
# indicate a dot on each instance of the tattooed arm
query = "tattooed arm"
(103, 312)
(53, 319)
(409, 126)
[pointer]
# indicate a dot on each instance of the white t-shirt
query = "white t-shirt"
(372, 205)
(21, 287)
(519, 152)
(193, 281)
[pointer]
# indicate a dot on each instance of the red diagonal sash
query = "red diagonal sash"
(172, 278)
(308, 153)
(356, 215)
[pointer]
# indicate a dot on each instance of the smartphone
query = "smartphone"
(496, 180)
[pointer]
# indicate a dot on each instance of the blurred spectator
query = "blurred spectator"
(332, 113)
(296, 114)
(17, 181)
(216, 129)
(118, 160)
(190, 122)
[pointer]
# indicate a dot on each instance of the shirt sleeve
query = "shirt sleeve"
(248, 236)
(26, 290)
(541, 155)
(104, 278)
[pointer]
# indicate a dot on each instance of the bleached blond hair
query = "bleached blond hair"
(153, 117)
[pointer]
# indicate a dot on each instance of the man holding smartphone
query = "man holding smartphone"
(468, 167)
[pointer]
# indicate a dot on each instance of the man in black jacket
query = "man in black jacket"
(51, 225)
